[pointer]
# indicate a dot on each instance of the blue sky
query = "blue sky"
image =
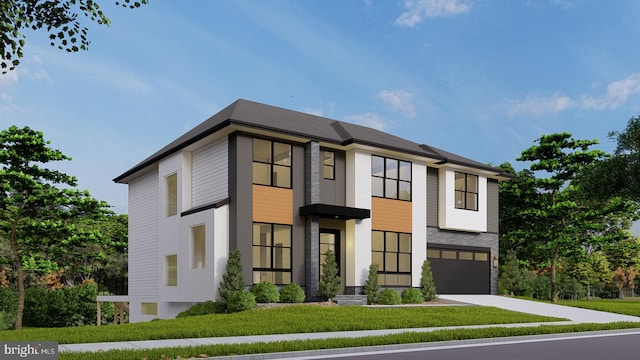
(479, 78)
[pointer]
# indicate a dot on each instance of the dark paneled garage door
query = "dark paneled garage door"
(458, 270)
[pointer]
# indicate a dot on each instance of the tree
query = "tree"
(592, 271)
(566, 221)
(371, 286)
(427, 286)
(232, 279)
(512, 279)
(618, 175)
(329, 278)
(40, 208)
(58, 17)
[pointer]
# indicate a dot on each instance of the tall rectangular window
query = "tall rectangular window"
(171, 195)
(391, 253)
(198, 240)
(390, 178)
(271, 163)
(466, 191)
(171, 270)
(329, 165)
(271, 253)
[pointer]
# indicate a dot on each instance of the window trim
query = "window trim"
(272, 248)
(465, 192)
(398, 179)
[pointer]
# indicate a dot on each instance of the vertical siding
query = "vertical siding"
(210, 168)
(492, 206)
(432, 197)
(143, 237)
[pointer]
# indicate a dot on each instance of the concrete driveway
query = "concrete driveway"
(539, 308)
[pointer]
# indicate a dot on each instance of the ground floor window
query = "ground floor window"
(149, 308)
(391, 253)
(171, 270)
(271, 253)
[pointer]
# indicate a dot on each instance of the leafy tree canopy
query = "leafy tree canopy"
(60, 18)
(41, 209)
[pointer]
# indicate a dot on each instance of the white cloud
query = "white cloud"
(367, 119)
(399, 100)
(316, 112)
(418, 10)
(618, 93)
(537, 106)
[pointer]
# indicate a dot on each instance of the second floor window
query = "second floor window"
(171, 196)
(390, 178)
(466, 188)
(329, 165)
(271, 163)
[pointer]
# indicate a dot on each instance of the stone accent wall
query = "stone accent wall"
(480, 240)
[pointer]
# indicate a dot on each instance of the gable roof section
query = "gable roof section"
(249, 114)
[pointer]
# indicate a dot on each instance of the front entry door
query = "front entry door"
(329, 240)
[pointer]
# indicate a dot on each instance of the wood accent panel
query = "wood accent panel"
(272, 205)
(391, 215)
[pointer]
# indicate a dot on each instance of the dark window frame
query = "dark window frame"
(272, 248)
(385, 251)
(394, 192)
(273, 163)
(465, 192)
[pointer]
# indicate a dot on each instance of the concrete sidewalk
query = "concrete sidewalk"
(574, 315)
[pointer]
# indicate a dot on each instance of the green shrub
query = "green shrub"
(266, 292)
(412, 296)
(329, 278)
(371, 286)
(240, 301)
(427, 286)
(389, 297)
(70, 306)
(7, 321)
(292, 293)
(205, 308)
(232, 279)
(8, 308)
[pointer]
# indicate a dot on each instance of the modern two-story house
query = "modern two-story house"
(282, 187)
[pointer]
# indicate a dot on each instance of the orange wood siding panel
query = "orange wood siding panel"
(272, 205)
(390, 215)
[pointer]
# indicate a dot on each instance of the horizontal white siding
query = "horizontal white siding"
(143, 237)
(210, 166)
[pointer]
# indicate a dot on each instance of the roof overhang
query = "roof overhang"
(335, 212)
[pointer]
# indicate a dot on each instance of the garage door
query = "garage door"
(458, 270)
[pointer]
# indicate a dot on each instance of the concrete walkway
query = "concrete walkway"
(574, 315)
(539, 308)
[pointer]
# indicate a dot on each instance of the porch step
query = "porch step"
(343, 300)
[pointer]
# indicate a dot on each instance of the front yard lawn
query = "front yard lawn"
(281, 320)
(625, 307)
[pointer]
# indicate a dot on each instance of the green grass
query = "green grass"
(625, 307)
(280, 320)
(336, 343)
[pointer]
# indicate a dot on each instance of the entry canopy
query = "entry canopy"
(335, 212)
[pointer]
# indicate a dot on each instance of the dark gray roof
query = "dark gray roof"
(255, 115)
